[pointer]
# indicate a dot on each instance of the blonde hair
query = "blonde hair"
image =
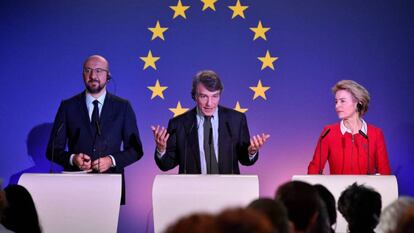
(358, 92)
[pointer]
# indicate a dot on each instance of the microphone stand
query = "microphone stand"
(320, 151)
(368, 165)
(51, 170)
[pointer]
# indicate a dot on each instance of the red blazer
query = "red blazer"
(347, 154)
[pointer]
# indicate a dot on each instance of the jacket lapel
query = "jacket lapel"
(191, 129)
(84, 112)
(106, 113)
(222, 136)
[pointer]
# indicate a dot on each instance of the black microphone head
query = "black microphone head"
(363, 134)
(325, 133)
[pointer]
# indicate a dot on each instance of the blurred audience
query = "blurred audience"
(406, 223)
(275, 211)
(195, 223)
(361, 208)
(20, 214)
(330, 204)
(3, 204)
(392, 214)
(243, 221)
(305, 208)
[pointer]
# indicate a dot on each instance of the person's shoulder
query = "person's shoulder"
(74, 98)
(230, 112)
(116, 99)
(187, 116)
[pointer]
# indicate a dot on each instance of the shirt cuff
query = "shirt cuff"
(71, 159)
(113, 160)
(159, 154)
(251, 157)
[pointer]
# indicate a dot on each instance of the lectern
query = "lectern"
(75, 202)
(175, 196)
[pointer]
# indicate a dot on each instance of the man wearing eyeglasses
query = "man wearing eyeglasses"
(209, 139)
(94, 124)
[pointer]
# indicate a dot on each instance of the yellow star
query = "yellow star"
(238, 10)
(157, 31)
(238, 108)
(209, 4)
(157, 90)
(267, 61)
(178, 110)
(260, 31)
(259, 90)
(150, 60)
(179, 9)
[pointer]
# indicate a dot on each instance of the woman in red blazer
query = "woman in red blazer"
(351, 146)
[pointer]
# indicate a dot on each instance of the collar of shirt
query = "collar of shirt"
(200, 117)
(344, 129)
(89, 102)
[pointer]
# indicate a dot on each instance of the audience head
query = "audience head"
(393, 213)
(2, 199)
(243, 221)
(330, 203)
(275, 211)
(195, 223)
(406, 223)
(302, 203)
(20, 214)
(361, 208)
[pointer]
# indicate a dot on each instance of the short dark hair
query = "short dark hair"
(361, 207)
(301, 201)
(209, 79)
(274, 210)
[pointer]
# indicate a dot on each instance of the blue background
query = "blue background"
(43, 44)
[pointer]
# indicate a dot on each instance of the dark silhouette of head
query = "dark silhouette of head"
(241, 220)
(304, 206)
(275, 211)
(329, 201)
(361, 208)
(195, 223)
(406, 223)
(20, 214)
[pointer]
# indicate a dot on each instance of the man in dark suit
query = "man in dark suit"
(95, 124)
(209, 139)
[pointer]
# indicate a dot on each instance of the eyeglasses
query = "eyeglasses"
(98, 71)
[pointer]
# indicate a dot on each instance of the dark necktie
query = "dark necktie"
(95, 114)
(211, 161)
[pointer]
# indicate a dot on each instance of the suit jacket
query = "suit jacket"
(73, 133)
(348, 154)
(183, 148)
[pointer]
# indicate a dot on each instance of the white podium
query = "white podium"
(75, 202)
(175, 196)
(386, 185)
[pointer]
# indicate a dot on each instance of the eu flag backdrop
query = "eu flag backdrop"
(277, 60)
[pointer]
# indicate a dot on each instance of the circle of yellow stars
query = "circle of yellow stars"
(179, 10)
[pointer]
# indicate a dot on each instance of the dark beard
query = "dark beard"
(94, 90)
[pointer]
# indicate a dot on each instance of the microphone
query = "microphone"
(320, 151)
(368, 165)
(185, 147)
(231, 145)
(53, 146)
